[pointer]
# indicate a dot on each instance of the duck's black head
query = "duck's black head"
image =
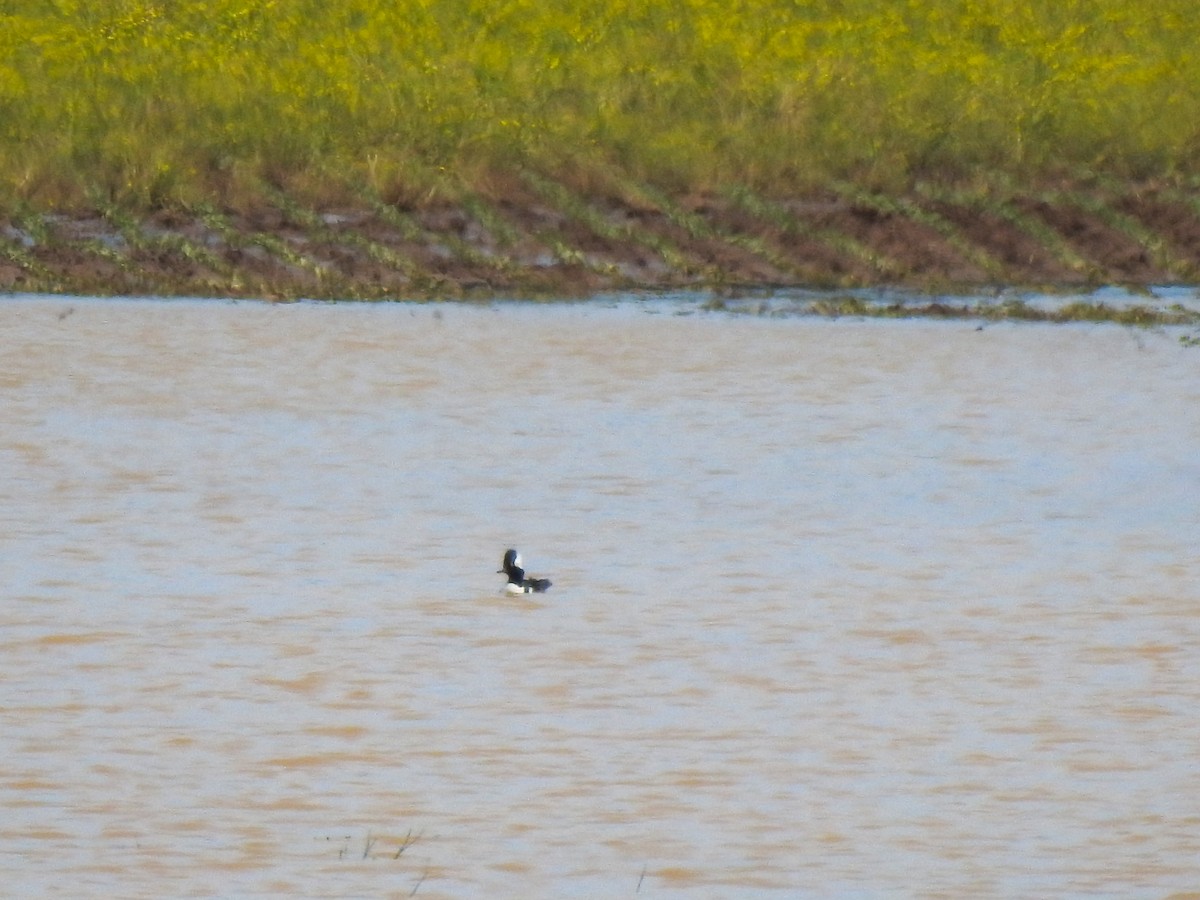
(512, 566)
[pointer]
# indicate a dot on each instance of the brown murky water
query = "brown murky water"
(841, 609)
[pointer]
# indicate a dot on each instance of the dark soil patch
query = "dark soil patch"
(916, 250)
(1022, 256)
(1117, 255)
(523, 242)
(1174, 221)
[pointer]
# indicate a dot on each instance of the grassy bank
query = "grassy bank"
(540, 237)
(435, 148)
(152, 103)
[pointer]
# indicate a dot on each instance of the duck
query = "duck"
(517, 582)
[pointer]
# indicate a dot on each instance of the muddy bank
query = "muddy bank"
(541, 239)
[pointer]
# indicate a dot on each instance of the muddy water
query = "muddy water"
(841, 609)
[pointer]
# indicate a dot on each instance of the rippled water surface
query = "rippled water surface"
(840, 609)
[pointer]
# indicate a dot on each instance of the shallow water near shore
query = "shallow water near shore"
(840, 608)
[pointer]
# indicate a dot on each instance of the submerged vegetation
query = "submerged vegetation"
(1005, 309)
(372, 149)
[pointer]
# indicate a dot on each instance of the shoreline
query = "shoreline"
(539, 240)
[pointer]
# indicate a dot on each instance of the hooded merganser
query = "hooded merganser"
(517, 582)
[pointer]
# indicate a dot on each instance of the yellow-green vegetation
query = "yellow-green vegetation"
(149, 102)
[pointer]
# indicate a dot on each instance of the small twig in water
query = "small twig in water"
(370, 842)
(409, 840)
(420, 881)
(640, 879)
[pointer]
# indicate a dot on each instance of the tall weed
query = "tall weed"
(154, 101)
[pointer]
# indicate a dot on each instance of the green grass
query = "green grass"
(152, 102)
